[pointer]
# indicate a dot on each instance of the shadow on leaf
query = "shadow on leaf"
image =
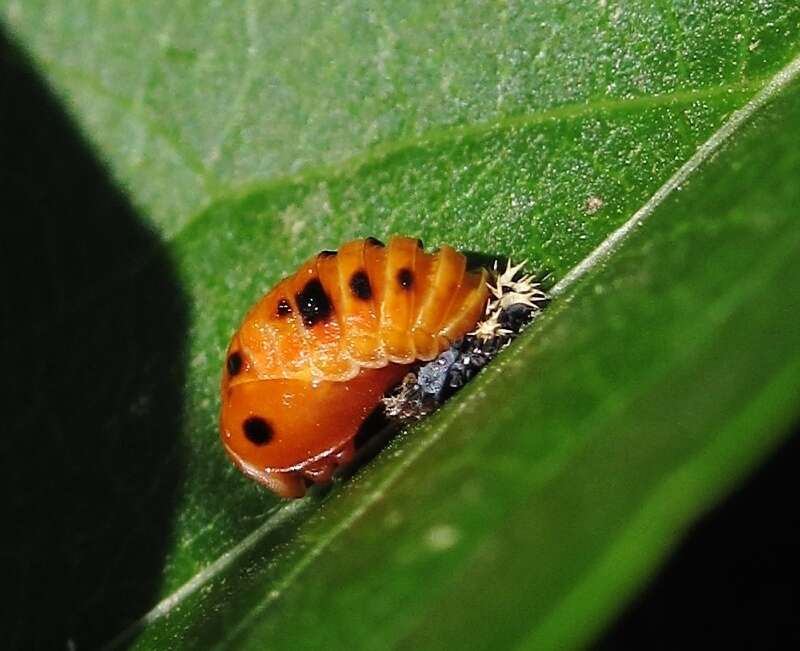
(93, 331)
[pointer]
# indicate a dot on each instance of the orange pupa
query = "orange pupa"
(315, 355)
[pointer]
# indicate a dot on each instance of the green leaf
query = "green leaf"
(248, 138)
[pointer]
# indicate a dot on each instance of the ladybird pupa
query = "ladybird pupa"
(316, 354)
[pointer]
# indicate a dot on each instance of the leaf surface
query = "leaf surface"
(248, 138)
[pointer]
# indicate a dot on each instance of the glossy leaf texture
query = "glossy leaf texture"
(246, 136)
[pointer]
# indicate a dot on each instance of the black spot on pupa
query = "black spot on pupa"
(257, 430)
(359, 285)
(405, 278)
(420, 244)
(375, 241)
(326, 254)
(284, 308)
(234, 363)
(313, 303)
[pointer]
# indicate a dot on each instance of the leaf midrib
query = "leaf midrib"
(771, 88)
(726, 304)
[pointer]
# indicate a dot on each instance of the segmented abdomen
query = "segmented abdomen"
(365, 306)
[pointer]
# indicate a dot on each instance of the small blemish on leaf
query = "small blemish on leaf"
(593, 204)
(442, 537)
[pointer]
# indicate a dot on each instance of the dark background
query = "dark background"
(734, 583)
(92, 340)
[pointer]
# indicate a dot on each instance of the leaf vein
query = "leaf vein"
(594, 260)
